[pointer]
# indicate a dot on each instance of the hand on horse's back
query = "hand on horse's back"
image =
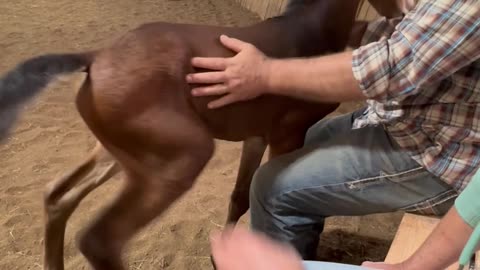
(239, 78)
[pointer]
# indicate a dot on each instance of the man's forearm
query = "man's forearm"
(324, 79)
(444, 245)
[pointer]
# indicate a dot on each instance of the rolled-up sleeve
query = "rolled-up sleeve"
(468, 202)
(432, 42)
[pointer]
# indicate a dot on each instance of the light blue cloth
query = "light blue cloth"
(467, 203)
(312, 265)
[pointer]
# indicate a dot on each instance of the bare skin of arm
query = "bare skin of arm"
(323, 79)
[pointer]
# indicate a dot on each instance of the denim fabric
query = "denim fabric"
(343, 172)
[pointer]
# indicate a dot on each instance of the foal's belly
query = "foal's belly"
(239, 121)
(267, 116)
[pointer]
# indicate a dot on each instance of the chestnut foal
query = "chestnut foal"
(136, 102)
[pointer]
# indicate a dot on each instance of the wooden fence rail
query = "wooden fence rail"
(270, 8)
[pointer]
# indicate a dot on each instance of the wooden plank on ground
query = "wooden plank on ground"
(412, 232)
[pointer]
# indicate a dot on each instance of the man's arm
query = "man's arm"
(250, 74)
(332, 74)
(432, 42)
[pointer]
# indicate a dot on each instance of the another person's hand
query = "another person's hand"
(240, 249)
(238, 78)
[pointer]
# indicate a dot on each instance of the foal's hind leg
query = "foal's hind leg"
(162, 157)
(63, 195)
(252, 153)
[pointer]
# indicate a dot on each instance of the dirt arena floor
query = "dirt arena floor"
(51, 138)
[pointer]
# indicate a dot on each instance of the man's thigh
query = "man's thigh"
(348, 172)
(330, 128)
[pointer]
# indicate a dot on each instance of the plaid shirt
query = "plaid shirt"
(421, 74)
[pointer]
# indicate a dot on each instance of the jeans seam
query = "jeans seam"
(413, 207)
(349, 183)
(386, 175)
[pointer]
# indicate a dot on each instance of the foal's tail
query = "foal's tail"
(30, 77)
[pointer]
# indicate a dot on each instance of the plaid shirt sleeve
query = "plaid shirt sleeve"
(432, 42)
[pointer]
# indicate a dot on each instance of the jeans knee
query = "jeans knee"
(261, 209)
(269, 183)
(259, 187)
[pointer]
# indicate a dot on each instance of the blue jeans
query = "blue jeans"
(340, 172)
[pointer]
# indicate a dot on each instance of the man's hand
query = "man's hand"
(242, 77)
(240, 249)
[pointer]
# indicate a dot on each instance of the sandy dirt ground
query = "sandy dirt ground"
(51, 138)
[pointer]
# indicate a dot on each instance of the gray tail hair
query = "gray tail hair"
(29, 78)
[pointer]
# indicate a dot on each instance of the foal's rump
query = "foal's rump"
(28, 78)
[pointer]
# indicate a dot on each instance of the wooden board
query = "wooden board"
(411, 234)
(264, 8)
(269, 8)
(366, 11)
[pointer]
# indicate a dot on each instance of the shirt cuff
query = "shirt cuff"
(371, 69)
(468, 204)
